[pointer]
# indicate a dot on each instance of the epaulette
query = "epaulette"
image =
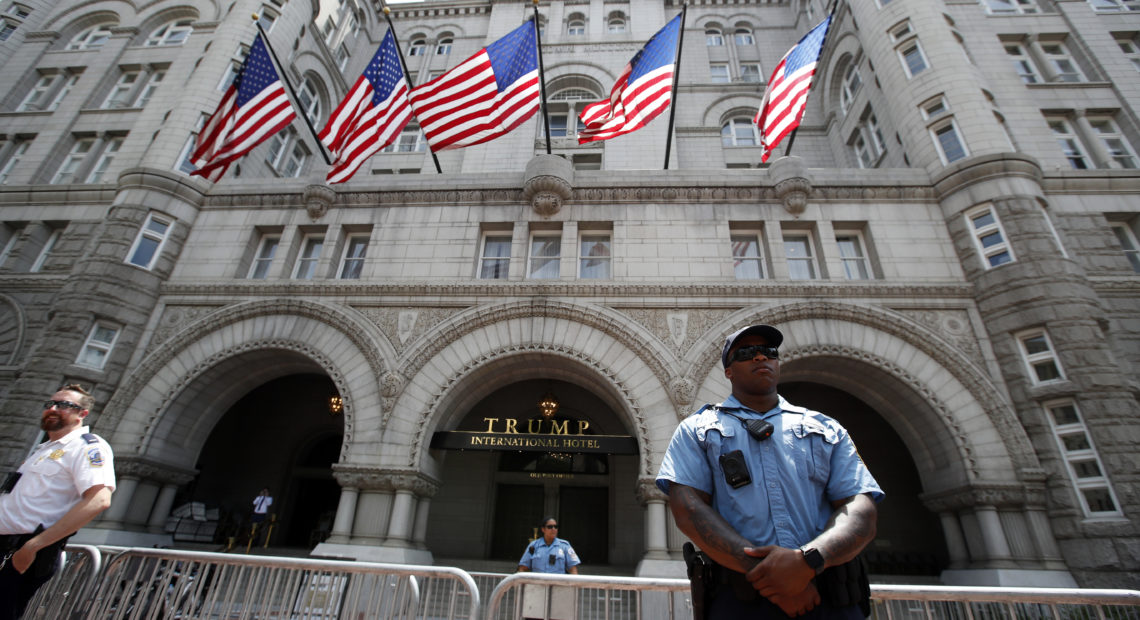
(90, 437)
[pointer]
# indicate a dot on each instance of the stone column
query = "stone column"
(156, 524)
(400, 525)
(955, 542)
(993, 536)
(655, 502)
(1090, 138)
(419, 531)
(120, 501)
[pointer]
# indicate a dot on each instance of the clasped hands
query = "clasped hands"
(784, 578)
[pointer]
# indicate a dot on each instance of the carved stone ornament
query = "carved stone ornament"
(791, 183)
(681, 391)
(318, 199)
(548, 183)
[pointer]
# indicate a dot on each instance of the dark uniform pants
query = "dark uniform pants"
(725, 606)
(17, 589)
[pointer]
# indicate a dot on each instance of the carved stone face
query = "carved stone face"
(546, 203)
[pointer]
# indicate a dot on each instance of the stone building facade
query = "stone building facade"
(950, 249)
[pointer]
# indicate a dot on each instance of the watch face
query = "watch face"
(813, 558)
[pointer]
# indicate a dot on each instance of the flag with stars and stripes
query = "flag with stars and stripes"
(641, 92)
(371, 116)
(786, 96)
(254, 107)
(485, 96)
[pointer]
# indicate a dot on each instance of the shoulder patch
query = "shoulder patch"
(94, 457)
(90, 437)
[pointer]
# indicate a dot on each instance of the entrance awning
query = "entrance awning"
(533, 442)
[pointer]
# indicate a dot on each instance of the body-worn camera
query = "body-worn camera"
(735, 469)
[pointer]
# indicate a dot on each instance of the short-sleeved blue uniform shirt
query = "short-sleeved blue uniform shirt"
(808, 462)
(538, 554)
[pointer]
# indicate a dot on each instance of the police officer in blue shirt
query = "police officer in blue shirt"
(776, 495)
(549, 554)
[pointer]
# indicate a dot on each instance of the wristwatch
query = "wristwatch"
(813, 558)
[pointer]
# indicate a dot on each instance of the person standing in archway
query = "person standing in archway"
(774, 495)
(549, 554)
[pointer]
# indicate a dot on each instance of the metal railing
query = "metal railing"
(588, 597)
(78, 573)
(891, 602)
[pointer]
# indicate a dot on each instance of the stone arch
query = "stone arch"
(77, 24)
(729, 106)
(13, 328)
(353, 359)
(581, 70)
(165, 16)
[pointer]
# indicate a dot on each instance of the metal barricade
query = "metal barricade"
(588, 597)
(150, 584)
(988, 603)
(78, 573)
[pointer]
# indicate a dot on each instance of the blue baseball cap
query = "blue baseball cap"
(771, 334)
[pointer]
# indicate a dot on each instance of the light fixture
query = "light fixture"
(336, 404)
(548, 406)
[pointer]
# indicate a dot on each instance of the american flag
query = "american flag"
(786, 96)
(641, 92)
(254, 107)
(485, 96)
(371, 116)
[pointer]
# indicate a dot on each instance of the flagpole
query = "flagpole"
(289, 85)
(542, 77)
(676, 80)
(830, 23)
(407, 76)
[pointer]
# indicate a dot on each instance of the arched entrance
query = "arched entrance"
(580, 466)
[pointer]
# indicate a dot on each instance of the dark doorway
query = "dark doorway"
(315, 494)
(585, 513)
(518, 510)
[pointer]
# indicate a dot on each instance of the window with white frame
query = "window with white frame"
(800, 254)
(852, 82)
(18, 11)
(743, 36)
(443, 48)
(48, 92)
(307, 259)
(1067, 139)
(739, 131)
(913, 58)
(949, 143)
(747, 260)
(122, 92)
(14, 151)
(46, 250)
(411, 140)
(1060, 62)
(72, 161)
(328, 30)
(989, 237)
(751, 72)
(1022, 63)
(616, 24)
(718, 73)
(184, 165)
(7, 29)
(266, 19)
(1130, 47)
(308, 96)
(263, 258)
(576, 25)
(68, 83)
(236, 62)
(287, 153)
(418, 47)
(1108, 132)
(1011, 7)
(352, 262)
(495, 259)
(92, 37)
(1082, 459)
(1040, 359)
(867, 140)
(171, 33)
(594, 255)
(563, 109)
(1115, 6)
(106, 157)
(97, 348)
(147, 91)
(149, 241)
(545, 255)
(1128, 244)
(342, 56)
(853, 254)
(714, 37)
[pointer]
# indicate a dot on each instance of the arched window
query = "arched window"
(713, 37)
(739, 131)
(563, 108)
(92, 37)
(576, 26)
(852, 81)
(418, 47)
(743, 36)
(443, 48)
(309, 98)
(171, 33)
(616, 24)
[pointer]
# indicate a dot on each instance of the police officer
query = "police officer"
(773, 493)
(549, 554)
(64, 484)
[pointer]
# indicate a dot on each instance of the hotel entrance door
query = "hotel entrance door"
(583, 514)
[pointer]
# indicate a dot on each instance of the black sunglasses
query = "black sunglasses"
(746, 353)
(61, 404)
(550, 527)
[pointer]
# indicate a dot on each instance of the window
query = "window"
(1061, 63)
(266, 19)
(718, 73)
(1039, 357)
(443, 48)
(495, 261)
(17, 150)
(1083, 462)
(950, 146)
(48, 92)
(287, 154)
(1011, 7)
(1022, 63)
(1067, 139)
(342, 56)
(68, 84)
(72, 162)
(236, 61)
(7, 29)
(1115, 6)
(184, 165)
(563, 108)
(853, 255)
(743, 36)
(411, 140)
(615, 25)
(1128, 244)
(148, 244)
(306, 266)
(989, 238)
(576, 27)
(417, 48)
(852, 82)
(1131, 49)
(328, 31)
(545, 255)
(750, 72)
(867, 140)
(120, 95)
(1112, 139)
(747, 263)
(586, 161)
(310, 100)
(914, 61)
(713, 37)
(266, 250)
(98, 346)
(352, 263)
(19, 11)
(594, 258)
(91, 38)
(739, 131)
(171, 33)
(147, 91)
(110, 149)
(11, 234)
(800, 257)
(45, 251)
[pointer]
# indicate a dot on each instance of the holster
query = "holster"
(699, 567)
(845, 585)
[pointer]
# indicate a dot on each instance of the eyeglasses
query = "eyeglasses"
(61, 404)
(550, 527)
(749, 352)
